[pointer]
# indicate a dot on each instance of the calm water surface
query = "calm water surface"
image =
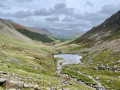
(67, 59)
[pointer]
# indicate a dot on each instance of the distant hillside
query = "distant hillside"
(108, 30)
(61, 32)
(9, 31)
(79, 34)
(31, 33)
(42, 31)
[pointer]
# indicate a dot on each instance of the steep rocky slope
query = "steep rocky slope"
(108, 30)
(100, 48)
(8, 30)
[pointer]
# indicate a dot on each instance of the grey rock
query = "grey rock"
(26, 85)
(0, 61)
(97, 78)
(115, 68)
(13, 60)
(95, 68)
(2, 80)
(31, 66)
(14, 84)
(118, 62)
(107, 67)
(2, 72)
(101, 67)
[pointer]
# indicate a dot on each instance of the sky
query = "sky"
(80, 15)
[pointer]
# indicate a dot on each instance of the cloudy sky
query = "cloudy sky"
(59, 14)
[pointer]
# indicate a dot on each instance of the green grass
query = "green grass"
(108, 78)
(78, 76)
(35, 36)
(35, 55)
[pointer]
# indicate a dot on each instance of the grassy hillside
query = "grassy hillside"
(32, 64)
(9, 31)
(108, 30)
(100, 49)
(35, 36)
(32, 34)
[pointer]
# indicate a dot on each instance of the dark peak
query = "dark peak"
(113, 20)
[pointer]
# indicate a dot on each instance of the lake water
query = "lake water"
(67, 59)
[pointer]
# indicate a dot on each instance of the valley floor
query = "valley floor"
(102, 65)
(31, 66)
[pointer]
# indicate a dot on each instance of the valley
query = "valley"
(34, 56)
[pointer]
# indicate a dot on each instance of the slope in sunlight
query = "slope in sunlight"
(8, 30)
(31, 33)
(42, 31)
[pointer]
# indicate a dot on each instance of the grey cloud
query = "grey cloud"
(55, 18)
(23, 1)
(60, 6)
(89, 4)
(110, 9)
(22, 14)
(42, 12)
(2, 5)
(58, 9)
(97, 17)
(67, 19)
(61, 9)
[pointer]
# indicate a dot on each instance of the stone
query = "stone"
(118, 62)
(97, 78)
(2, 81)
(2, 72)
(14, 84)
(115, 68)
(26, 85)
(13, 60)
(66, 89)
(107, 67)
(101, 67)
(31, 66)
(95, 68)
(0, 61)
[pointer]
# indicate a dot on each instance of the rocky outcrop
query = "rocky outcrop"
(11, 84)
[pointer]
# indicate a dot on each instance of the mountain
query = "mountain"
(100, 51)
(9, 31)
(31, 33)
(42, 31)
(78, 34)
(61, 32)
(108, 30)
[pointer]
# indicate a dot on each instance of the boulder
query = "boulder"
(26, 85)
(118, 62)
(101, 67)
(2, 81)
(14, 84)
(95, 68)
(107, 67)
(2, 72)
(97, 78)
(115, 68)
